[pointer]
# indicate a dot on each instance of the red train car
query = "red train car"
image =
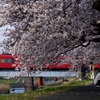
(97, 66)
(61, 66)
(7, 60)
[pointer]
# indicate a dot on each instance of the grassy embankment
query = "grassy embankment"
(48, 89)
(4, 89)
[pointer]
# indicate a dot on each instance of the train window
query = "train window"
(2, 60)
(7, 60)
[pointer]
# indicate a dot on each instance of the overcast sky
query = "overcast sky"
(2, 37)
(2, 30)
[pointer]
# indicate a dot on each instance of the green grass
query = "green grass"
(46, 90)
(8, 81)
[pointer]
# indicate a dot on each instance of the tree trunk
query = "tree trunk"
(29, 84)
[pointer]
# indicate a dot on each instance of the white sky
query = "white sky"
(2, 37)
(2, 30)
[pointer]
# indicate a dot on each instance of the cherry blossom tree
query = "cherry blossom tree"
(45, 29)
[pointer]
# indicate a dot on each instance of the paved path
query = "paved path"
(81, 93)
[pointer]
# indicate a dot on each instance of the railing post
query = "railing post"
(40, 81)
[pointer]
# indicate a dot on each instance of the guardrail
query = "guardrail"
(38, 74)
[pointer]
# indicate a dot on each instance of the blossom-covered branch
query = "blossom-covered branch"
(44, 29)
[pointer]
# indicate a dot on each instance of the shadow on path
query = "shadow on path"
(80, 93)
